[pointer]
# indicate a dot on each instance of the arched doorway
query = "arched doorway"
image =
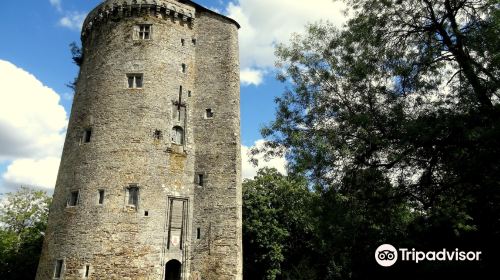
(173, 270)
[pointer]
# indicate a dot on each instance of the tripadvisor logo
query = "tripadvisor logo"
(386, 255)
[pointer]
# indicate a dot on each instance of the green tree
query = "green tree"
(395, 120)
(23, 219)
(77, 57)
(278, 227)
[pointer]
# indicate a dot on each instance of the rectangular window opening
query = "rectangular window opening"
(145, 31)
(183, 68)
(182, 42)
(198, 233)
(200, 180)
(178, 135)
(194, 41)
(133, 195)
(58, 269)
(135, 80)
(189, 93)
(146, 213)
(73, 198)
(209, 113)
(87, 135)
(101, 197)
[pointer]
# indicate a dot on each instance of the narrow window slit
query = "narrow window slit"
(101, 197)
(87, 269)
(58, 269)
(200, 180)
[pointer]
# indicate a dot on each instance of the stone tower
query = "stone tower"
(149, 185)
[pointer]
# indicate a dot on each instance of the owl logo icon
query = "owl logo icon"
(386, 255)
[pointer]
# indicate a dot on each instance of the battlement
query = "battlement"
(115, 9)
(183, 10)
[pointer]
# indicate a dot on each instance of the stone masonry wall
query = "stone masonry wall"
(115, 240)
(217, 208)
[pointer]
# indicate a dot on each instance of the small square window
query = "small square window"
(134, 80)
(58, 269)
(143, 31)
(101, 197)
(158, 135)
(73, 198)
(133, 195)
(209, 113)
(146, 213)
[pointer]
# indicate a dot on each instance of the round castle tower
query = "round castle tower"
(149, 185)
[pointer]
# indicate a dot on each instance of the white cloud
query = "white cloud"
(32, 128)
(56, 4)
(264, 23)
(249, 171)
(251, 77)
(40, 173)
(73, 20)
(70, 19)
(32, 122)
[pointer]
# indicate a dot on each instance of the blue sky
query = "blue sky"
(34, 52)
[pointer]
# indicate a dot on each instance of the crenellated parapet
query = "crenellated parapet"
(115, 9)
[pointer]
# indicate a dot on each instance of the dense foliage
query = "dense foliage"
(278, 228)
(23, 219)
(394, 120)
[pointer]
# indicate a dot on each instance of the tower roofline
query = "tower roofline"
(198, 6)
(106, 8)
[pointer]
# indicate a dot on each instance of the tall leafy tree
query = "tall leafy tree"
(398, 111)
(23, 219)
(278, 227)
